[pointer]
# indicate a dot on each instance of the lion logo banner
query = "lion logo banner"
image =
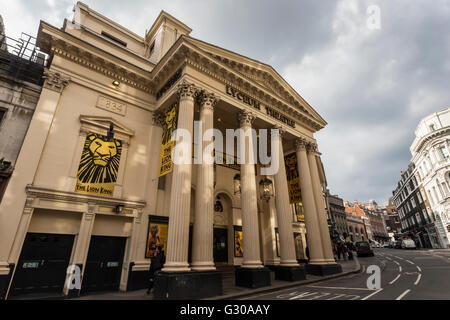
(99, 165)
(167, 145)
(293, 180)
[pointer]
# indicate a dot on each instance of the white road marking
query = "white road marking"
(399, 258)
(399, 268)
(396, 262)
(409, 261)
(396, 278)
(418, 268)
(372, 294)
(418, 279)
(402, 295)
(343, 288)
(388, 258)
(338, 296)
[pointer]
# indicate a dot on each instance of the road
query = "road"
(405, 275)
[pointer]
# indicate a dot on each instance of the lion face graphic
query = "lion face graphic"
(100, 159)
(170, 119)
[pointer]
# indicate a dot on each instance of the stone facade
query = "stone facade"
(108, 89)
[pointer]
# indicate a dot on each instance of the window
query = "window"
(444, 152)
(152, 47)
(110, 37)
(2, 114)
(413, 202)
(419, 196)
(162, 183)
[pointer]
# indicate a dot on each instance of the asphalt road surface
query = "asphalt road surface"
(404, 275)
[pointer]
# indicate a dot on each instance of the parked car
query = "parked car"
(398, 244)
(386, 245)
(408, 244)
(363, 248)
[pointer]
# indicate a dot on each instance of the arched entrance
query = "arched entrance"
(222, 228)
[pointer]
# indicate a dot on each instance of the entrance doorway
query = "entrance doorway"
(220, 245)
(42, 264)
(104, 264)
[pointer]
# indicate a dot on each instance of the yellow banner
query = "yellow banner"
(167, 145)
(293, 180)
(99, 165)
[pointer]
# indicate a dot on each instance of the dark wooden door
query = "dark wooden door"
(42, 264)
(104, 264)
(220, 245)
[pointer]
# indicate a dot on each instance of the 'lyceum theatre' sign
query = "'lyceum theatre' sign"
(257, 105)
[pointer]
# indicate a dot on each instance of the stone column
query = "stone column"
(320, 204)
(202, 241)
(178, 237)
(284, 212)
(250, 228)
(311, 220)
(81, 248)
(12, 205)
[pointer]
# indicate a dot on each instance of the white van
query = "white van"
(408, 244)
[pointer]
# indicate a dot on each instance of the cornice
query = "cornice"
(44, 193)
(431, 136)
(180, 54)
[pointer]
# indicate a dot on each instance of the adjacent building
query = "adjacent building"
(357, 222)
(21, 70)
(431, 158)
(338, 218)
(95, 189)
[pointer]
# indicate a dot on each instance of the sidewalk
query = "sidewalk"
(229, 289)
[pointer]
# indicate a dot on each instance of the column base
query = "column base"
(323, 269)
(290, 273)
(5, 280)
(187, 285)
(137, 279)
(252, 277)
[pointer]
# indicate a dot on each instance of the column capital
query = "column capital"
(245, 118)
(281, 131)
(186, 90)
(158, 119)
(55, 81)
(207, 100)
(300, 144)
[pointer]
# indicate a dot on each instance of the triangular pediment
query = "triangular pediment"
(104, 123)
(261, 74)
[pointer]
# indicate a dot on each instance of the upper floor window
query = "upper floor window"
(110, 37)
(431, 127)
(444, 152)
(413, 202)
(152, 47)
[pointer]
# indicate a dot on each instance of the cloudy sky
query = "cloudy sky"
(372, 85)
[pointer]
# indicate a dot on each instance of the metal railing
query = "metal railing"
(22, 59)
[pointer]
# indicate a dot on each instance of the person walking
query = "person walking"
(155, 266)
(337, 249)
(343, 250)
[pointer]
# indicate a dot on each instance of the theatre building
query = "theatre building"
(96, 189)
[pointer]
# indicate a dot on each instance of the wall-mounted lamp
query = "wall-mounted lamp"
(110, 132)
(115, 83)
(119, 208)
(266, 189)
(237, 183)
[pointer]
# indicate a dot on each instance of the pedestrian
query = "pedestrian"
(155, 266)
(338, 251)
(344, 251)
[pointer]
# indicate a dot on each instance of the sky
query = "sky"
(371, 68)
